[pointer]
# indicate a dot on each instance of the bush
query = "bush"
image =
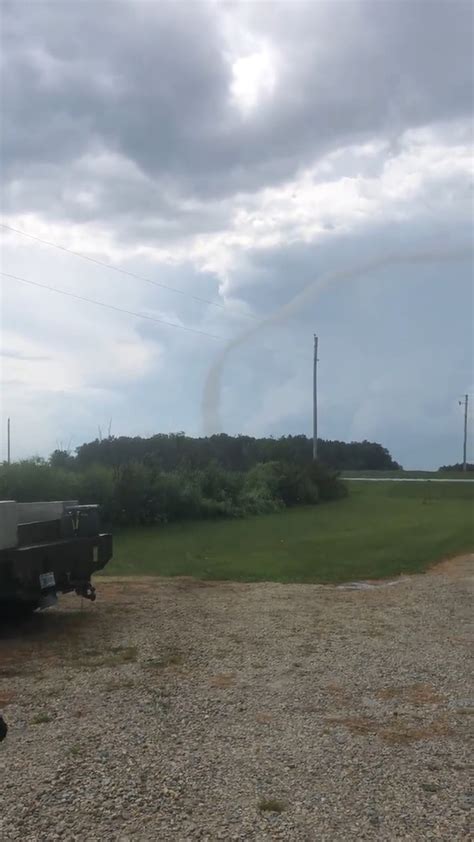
(175, 496)
(290, 484)
(33, 480)
(329, 485)
(296, 487)
(138, 493)
(217, 483)
(96, 485)
(257, 501)
(133, 495)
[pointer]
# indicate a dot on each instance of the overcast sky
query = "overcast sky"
(238, 153)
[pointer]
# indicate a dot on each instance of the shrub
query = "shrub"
(290, 484)
(329, 485)
(96, 485)
(257, 501)
(139, 493)
(175, 496)
(132, 494)
(33, 479)
(216, 483)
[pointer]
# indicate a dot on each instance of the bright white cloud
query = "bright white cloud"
(253, 78)
(337, 195)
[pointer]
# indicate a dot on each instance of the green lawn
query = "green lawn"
(381, 529)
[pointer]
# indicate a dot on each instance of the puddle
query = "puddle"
(369, 586)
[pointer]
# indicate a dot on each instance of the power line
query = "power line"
(124, 271)
(110, 306)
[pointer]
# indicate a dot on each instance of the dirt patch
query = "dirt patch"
(264, 718)
(6, 698)
(415, 694)
(459, 567)
(223, 680)
(395, 730)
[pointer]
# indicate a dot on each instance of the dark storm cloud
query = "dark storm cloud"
(142, 79)
(151, 83)
(123, 115)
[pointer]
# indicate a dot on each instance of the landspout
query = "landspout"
(211, 399)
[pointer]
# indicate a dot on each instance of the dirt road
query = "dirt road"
(174, 710)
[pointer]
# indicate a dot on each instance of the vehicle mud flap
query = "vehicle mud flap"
(47, 600)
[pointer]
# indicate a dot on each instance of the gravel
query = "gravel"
(179, 710)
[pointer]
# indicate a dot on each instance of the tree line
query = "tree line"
(174, 451)
(458, 467)
(172, 477)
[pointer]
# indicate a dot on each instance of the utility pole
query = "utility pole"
(315, 399)
(8, 441)
(464, 453)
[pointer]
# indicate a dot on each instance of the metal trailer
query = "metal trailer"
(48, 548)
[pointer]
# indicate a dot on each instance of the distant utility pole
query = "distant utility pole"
(315, 399)
(8, 441)
(464, 453)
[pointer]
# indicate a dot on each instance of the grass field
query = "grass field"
(381, 529)
(469, 475)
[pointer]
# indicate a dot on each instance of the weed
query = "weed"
(223, 680)
(173, 659)
(113, 658)
(42, 718)
(52, 692)
(125, 654)
(6, 698)
(76, 750)
(271, 805)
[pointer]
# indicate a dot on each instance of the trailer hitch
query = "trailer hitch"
(86, 590)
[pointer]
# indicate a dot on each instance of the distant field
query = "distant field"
(381, 529)
(410, 474)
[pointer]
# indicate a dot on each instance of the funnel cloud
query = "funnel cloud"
(212, 389)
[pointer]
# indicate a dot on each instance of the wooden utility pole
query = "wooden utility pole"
(8, 441)
(464, 453)
(315, 399)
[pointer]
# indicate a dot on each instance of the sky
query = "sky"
(260, 173)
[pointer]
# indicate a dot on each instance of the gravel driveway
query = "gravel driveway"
(174, 710)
